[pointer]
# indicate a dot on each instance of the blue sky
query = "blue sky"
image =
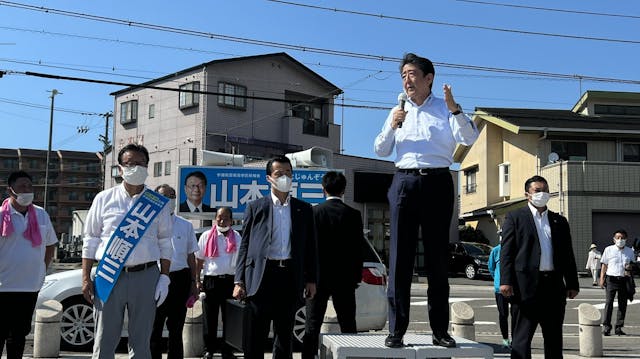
(46, 42)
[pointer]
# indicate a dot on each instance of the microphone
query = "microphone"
(402, 98)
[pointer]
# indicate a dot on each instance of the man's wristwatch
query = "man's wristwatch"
(458, 111)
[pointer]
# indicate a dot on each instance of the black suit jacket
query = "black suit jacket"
(184, 207)
(256, 237)
(520, 252)
(340, 243)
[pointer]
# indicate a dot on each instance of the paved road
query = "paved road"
(479, 295)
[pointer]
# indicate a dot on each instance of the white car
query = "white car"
(77, 327)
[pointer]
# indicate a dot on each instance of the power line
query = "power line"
(324, 51)
(58, 109)
(477, 27)
(551, 9)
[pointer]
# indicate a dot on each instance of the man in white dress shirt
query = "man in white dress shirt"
(217, 255)
(183, 275)
(424, 133)
(141, 286)
(24, 257)
(616, 260)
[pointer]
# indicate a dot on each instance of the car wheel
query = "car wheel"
(298, 326)
(77, 327)
(470, 271)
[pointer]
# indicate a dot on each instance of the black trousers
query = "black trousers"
(218, 289)
(173, 311)
(419, 202)
(503, 314)
(615, 285)
(344, 302)
(16, 310)
(545, 309)
(274, 301)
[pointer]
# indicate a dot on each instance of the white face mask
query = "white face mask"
(621, 242)
(283, 183)
(172, 204)
(134, 176)
(540, 199)
(24, 199)
(224, 229)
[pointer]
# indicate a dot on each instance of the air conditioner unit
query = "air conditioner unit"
(213, 158)
(313, 157)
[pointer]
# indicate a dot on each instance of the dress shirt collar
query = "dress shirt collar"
(126, 193)
(276, 200)
(535, 213)
(426, 101)
(336, 198)
(193, 206)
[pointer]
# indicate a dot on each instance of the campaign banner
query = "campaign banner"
(207, 188)
(124, 239)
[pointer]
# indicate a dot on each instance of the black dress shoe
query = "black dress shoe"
(393, 341)
(606, 332)
(444, 340)
(620, 332)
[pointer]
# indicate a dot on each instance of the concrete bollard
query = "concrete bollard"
(192, 339)
(462, 321)
(46, 335)
(589, 319)
(330, 322)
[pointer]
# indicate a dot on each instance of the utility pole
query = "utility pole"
(54, 92)
(106, 146)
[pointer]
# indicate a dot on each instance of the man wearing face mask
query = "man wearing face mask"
(276, 261)
(217, 256)
(537, 271)
(140, 286)
(27, 245)
(616, 263)
(183, 274)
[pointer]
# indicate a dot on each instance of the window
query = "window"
(115, 171)
(232, 101)
(10, 163)
(570, 151)
(157, 169)
(616, 110)
(152, 110)
(631, 152)
(504, 184)
(470, 178)
(313, 122)
(128, 112)
(167, 168)
(73, 196)
(88, 196)
(188, 98)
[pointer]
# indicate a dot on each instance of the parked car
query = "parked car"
(77, 326)
(469, 258)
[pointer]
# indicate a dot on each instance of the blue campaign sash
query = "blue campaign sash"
(124, 239)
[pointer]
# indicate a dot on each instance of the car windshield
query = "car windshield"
(477, 249)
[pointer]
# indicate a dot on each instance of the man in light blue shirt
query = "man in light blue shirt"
(424, 132)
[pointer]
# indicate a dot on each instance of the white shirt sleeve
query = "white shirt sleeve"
(92, 228)
(165, 232)
(463, 128)
(384, 142)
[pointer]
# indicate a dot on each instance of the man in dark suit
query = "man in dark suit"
(340, 240)
(276, 261)
(537, 271)
(195, 187)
